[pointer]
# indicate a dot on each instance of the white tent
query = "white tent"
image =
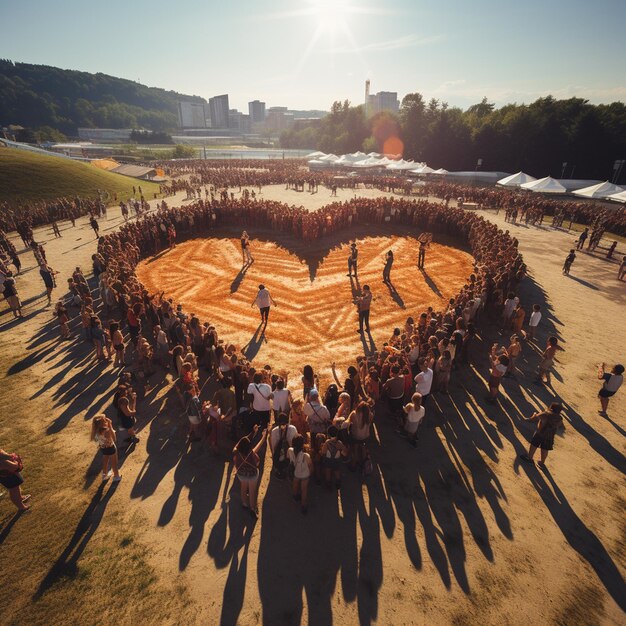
(441, 171)
(424, 169)
(358, 156)
(329, 157)
(402, 165)
(515, 180)
(315, 155)
(318, 164)
(544, 185)
(618, 197)
(374, 155)
(601, 190)
(369, 162)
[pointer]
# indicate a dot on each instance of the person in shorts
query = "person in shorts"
(11, 479)
(547, 424)
(103, 434)
(413, 415)
(612, 382)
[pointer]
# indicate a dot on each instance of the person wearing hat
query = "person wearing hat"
(363, 303)
(281, 438)
(352, 259)
(263, 300)
(317, 415)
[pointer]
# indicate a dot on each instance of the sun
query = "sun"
(330, 14)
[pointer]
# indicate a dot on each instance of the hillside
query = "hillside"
(39, 95)
(28, 176)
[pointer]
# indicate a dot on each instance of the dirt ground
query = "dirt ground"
(315, 319)
(455, 532)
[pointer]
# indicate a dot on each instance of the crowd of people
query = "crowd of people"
(315, 436)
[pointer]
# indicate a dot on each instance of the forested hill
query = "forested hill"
(39, 95)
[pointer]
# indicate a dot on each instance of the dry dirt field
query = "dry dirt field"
(456, 531)
(315, 320)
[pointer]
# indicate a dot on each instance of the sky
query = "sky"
(305, 54)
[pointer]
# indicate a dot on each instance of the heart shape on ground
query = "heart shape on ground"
(315, 321)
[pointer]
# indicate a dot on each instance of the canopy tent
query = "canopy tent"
(618, 197)
(369, 162)
(601, 190)
(544, 185)
(375, 155)
(441, 172)
(329, 157)
(424, 169)
(358, 156)
(315, 155)
(403, 165)
(515, 180)
(349, 159)
(317, 164)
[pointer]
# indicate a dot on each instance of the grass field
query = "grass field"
(28, 176)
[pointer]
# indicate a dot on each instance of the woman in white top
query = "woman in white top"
(281, 399)
(103, 434)
(302, 470)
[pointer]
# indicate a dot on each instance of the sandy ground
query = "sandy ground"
(455, 532)
(315, 319)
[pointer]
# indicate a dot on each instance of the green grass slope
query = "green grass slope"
(28, 176)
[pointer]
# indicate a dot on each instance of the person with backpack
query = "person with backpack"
(332, 452)
(247, 460)
(261, 395)
(281, 438)
(301, 466)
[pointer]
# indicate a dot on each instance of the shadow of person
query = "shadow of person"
(583, 282)
(355, 286)
(430, 282)
(251, 349)
(395, 296)
(239, 278)
(67, 563)
(581, 538)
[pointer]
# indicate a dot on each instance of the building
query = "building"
(218, 106)
(278, 119)
(238, 121)
(192, 115)
(256, 111)
(382, 101)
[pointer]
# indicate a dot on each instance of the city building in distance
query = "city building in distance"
(256, 111)
(218, 106)
(192, 115)
(382, 101)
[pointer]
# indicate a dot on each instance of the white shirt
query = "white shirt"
(281, 400)
(292, 431)
(414, 354)
(261, 393)
(263, 298)
(535, 317)
(318, 417)
(415, 416)
(301, 465)
(424, 381)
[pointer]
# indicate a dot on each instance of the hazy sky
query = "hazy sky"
(306, 53)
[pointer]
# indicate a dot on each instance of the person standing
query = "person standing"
(353, 258)
(246, 459)
(569, 259)
(317, 415)
(582, 239)
(245, 249)
(387, 268)
(547, 360)
(547, 424)
(622, 269)
(47, 274)
(535, 318)
(364, 302)
(11, 479)
(302, 465)
(264, 300)
(424, 379)
(94, 224)
(261, 395)
(421, 258)
(612, 382)
(281, 438)
(10, 295)
(103, 434)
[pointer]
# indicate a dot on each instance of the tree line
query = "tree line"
(560, 138)
(37, 96)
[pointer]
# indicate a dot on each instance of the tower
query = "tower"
(367, 96)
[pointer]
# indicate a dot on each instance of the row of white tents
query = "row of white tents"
(360, 160)
(521, 180)
(599, 191)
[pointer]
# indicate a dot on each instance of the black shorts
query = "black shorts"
(396, 404)
(108, 451)
(261, 418)
(128, 422)
(12, 480)
(604, 393)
